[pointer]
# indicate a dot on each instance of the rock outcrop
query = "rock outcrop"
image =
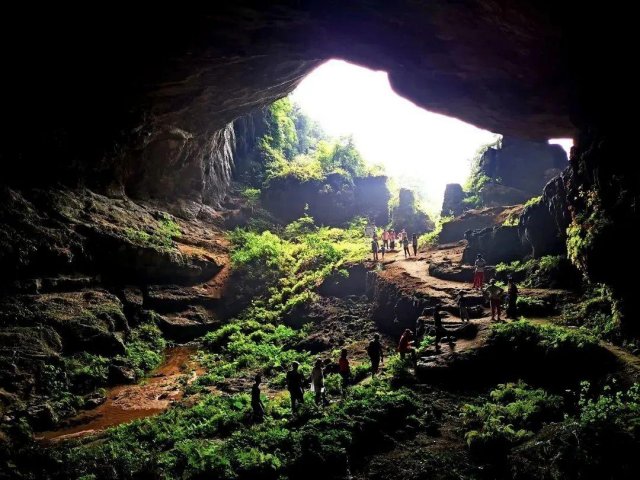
(518, 170)
(477, 219)
(82, 272)
(543, 225)
(332, 201)
(453, 202)
(406, 215)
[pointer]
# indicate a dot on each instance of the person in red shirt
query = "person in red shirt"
(406, 345)
(344, 369)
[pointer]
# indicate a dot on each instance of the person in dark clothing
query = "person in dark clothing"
(414, 242)
(375, 246)
(421, 324)
(405, 245)
(512, 298)
(295, 385)
(463, 306)
(256, 401)
(344, 369)
(376, 354)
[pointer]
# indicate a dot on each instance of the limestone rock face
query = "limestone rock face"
(519, 170)
(452, 204)
(407, 216)
(477, 219)
(333, 201)
(496, 244)
(543, 225)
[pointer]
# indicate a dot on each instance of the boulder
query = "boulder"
(85, 321)
(496, 244)
(452, 204)
(477, 219)
(408, 216)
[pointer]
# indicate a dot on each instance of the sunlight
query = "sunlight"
(422, 150)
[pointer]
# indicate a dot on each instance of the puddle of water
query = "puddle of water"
(125, 403)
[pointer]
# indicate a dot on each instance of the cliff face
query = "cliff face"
(333, 201)
(407, 215)
(518, 170)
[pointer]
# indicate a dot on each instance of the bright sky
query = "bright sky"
(422, 150)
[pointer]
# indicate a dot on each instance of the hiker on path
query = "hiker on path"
(512, 298)
(383, 250)
(495, 294)
(385, 238)
(344, 369)
(414, 241)
(463, 305)
(256, 401)
(392, 239)
(407, 346)
(478, 276)
(317, 382)
(405, 245)
(376, 354)
(375, 246)
(295, 385)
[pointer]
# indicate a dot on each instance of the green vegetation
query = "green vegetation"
(144, 349)
(252, 195)
(545, 272)
(585, 229)
(431, 239)
(477, 177)
(160, 235)
(295, 147)
(512, 414)
(215, 438)
(550, 338)
(283, 273)
(533, 201)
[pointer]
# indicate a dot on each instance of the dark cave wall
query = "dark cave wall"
(113, 100)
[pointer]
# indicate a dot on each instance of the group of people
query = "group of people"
(493, 292)
(389, 238)
(297, 382)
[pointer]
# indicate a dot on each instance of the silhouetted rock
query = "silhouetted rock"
(544, 224)
(455, 229)
(333, 201)
(518, 170)
(452, 204)
(407, 215)
(496, 244)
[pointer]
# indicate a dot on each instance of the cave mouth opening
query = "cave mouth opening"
(418, 149)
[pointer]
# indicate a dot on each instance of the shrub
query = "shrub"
(512, 414)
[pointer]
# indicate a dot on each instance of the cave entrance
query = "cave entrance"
(416, 148)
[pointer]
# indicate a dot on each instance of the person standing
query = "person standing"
(463, 306)
(256, 401)
(405, 245)
(376, 354)
(344, 369)
(385, 238)
(383, 250)
(295, 385)
(317, 382)
(512, 298)
(495, 293)
(414, 241)
(375, 246)
(392, 239)
(406, 345)
(478, 276)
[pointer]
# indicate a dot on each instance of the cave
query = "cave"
(116, 116)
